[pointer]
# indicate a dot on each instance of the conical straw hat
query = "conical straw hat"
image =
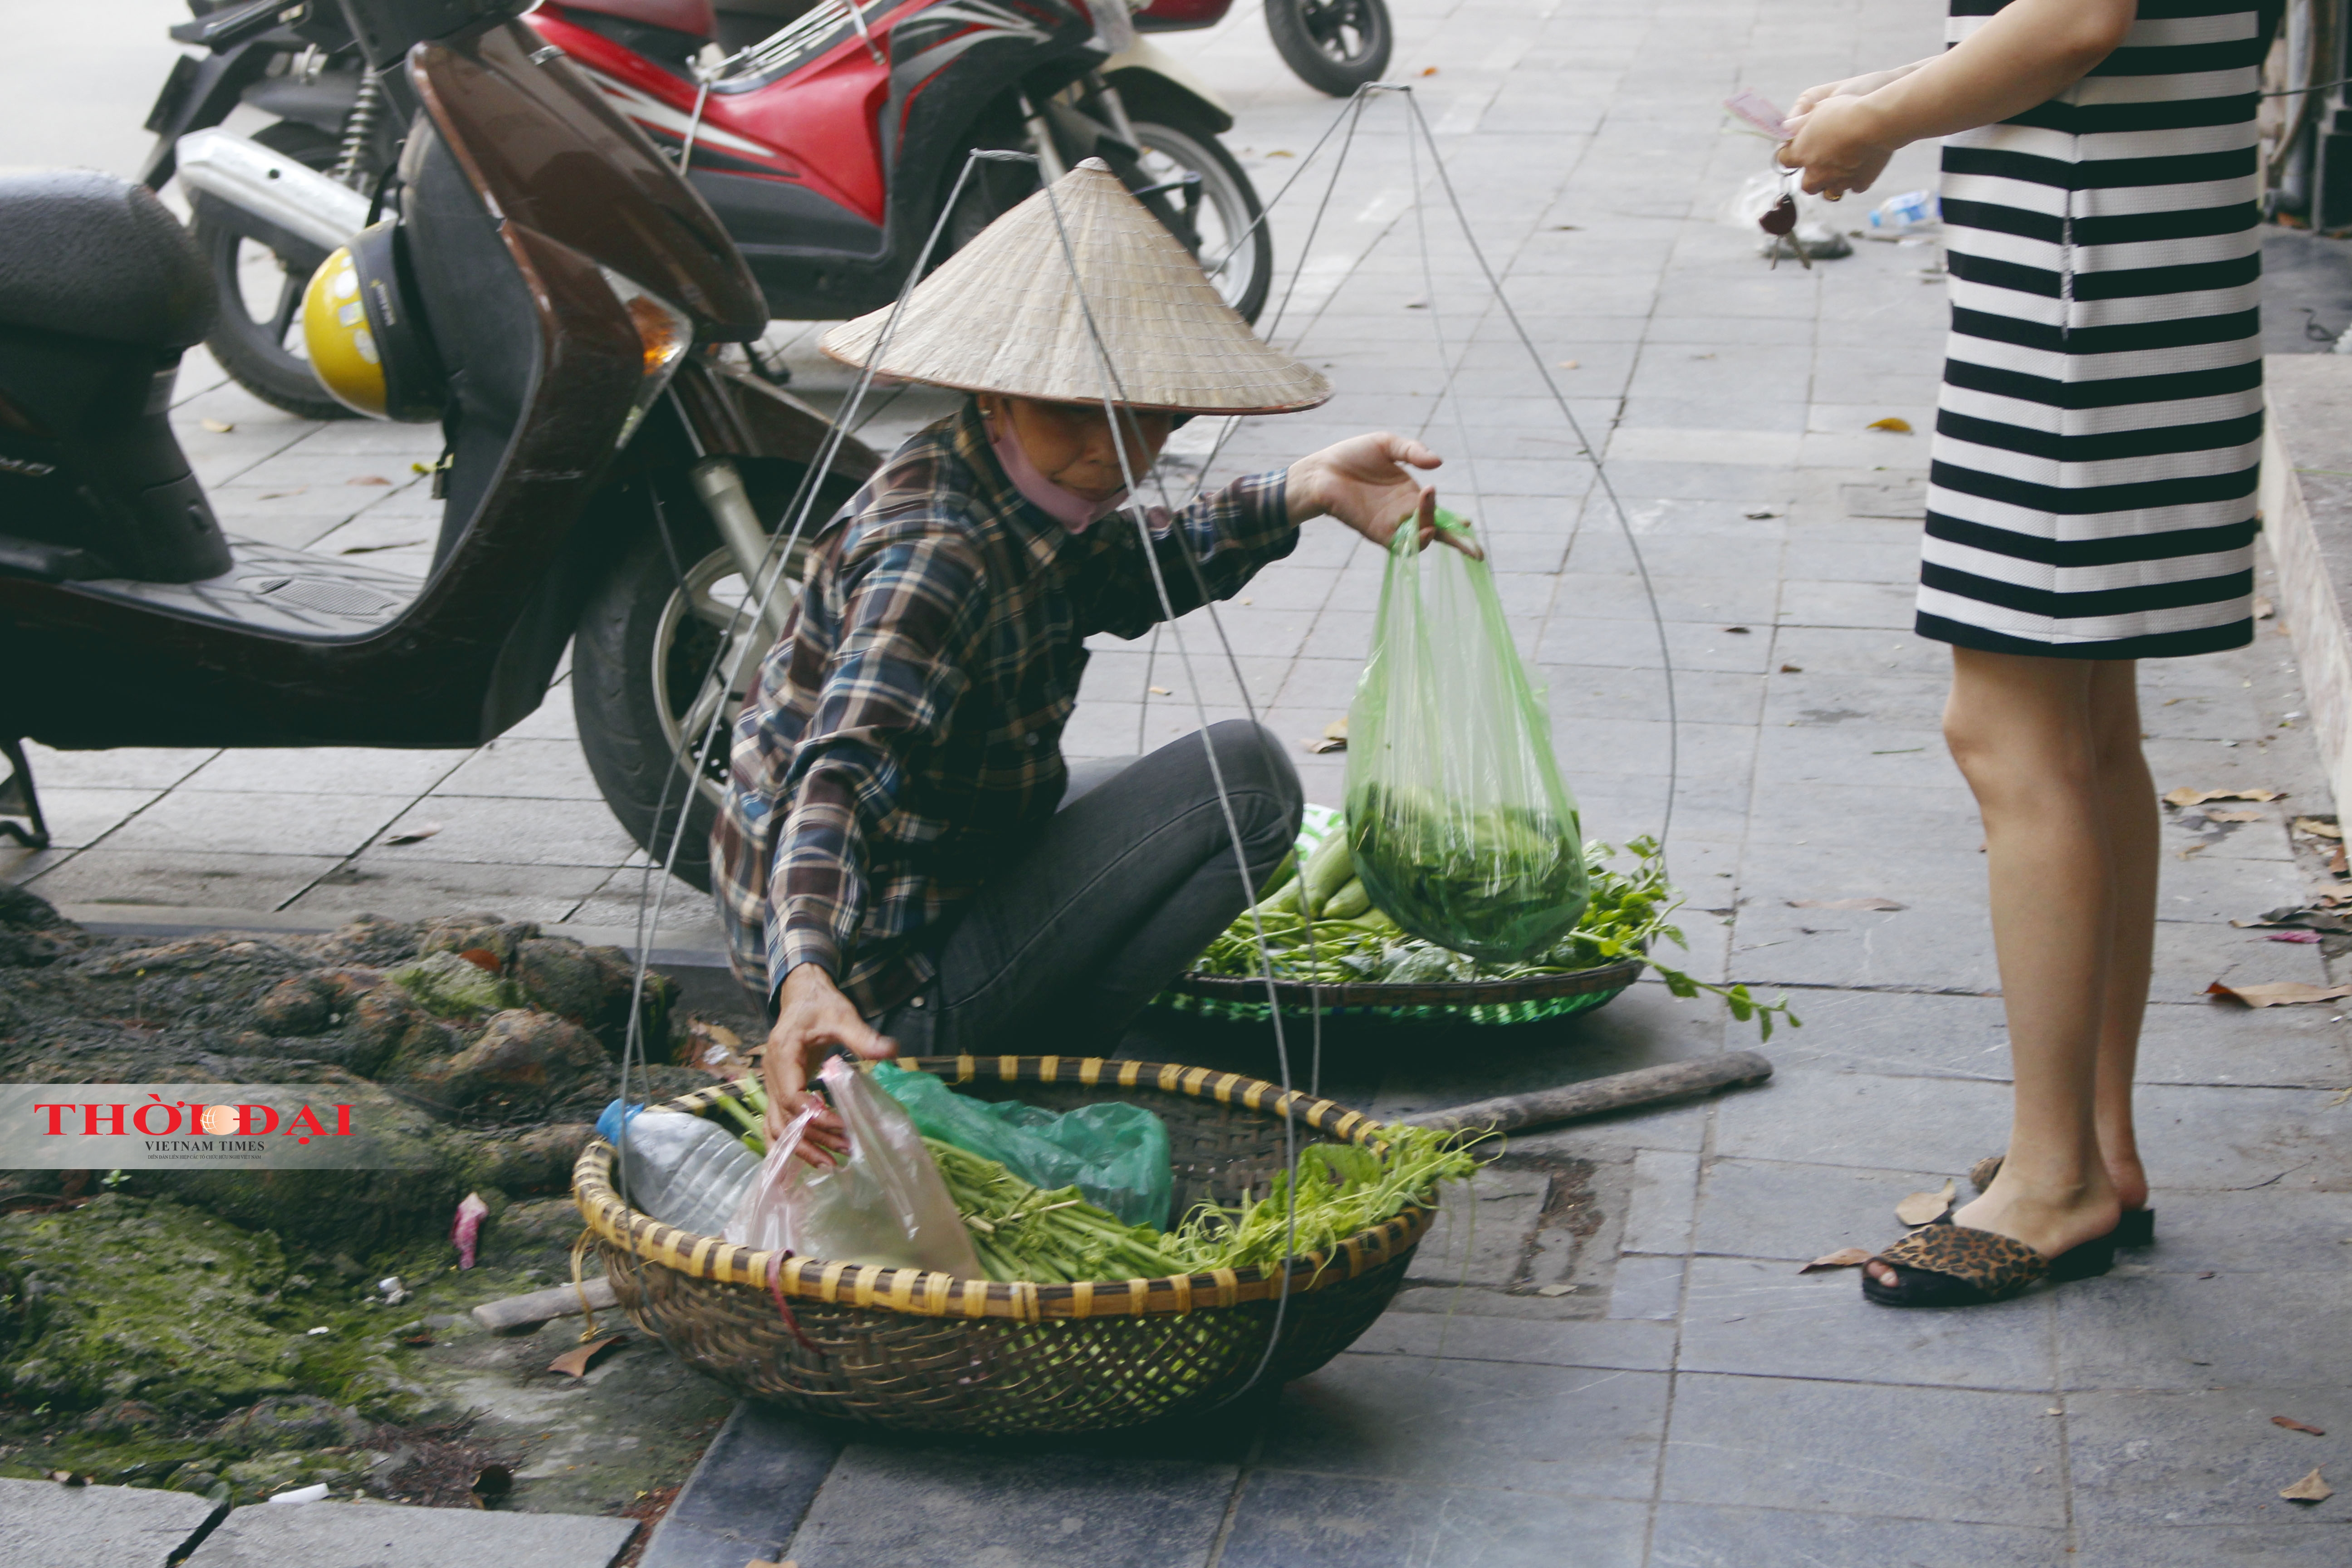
(1001, 315)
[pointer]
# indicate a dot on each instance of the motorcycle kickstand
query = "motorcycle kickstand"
(19, 798)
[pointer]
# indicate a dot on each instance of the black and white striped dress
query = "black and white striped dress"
(2091, 493)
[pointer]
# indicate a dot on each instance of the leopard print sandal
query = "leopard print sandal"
(1948, 1265)
(2137, 1228)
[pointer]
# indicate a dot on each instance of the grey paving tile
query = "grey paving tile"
(1515, 1426)
(2206, 1457)
(78, 817)
(51, 1526)
(2319, 1544)
(1286, 1519)
(1825, 699)
(121, 767)
(2142, 1329)
(388, 1536)
(517, 832)
(2245, 1139)
(1647, 1288)
(323, 770)
(1663, 1200)
(523, 770)
(1856, 1448)
(688, 917)
(889, 1505)
(195, 878)
(2213, 1042)
(1430, 1329)
(1898, 1032)
(2245, 1233)
(2189, 957)
(1874, 1121)
(1766, 1320)
(1796, 1211)
(382, 883)
(258, 822)
(1691, 1536)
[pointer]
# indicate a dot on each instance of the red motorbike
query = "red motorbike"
(828, 137)
(1332, 46)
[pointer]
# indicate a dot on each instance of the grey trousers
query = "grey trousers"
(1115, 897)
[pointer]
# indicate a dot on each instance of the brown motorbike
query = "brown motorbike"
(558, 298)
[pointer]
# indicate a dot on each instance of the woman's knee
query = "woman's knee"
(1267, 797)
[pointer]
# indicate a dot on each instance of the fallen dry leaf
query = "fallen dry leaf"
(368, 479)
(2264, 608)
(77, 1478)
(1891, 424)
(1568, 364)
(482, 958)
(1429, 70)
(2311, 1489)
(2192, 849)
(2184, 796)
(1161, 692)
(1844, 1257)
(422, 831)
(576, 1362)
(1336, 730)
(714, 1048)
(2278, 993)
(1738, 631)
(1921, 1208)
(2292, 1424)
(2316, 828)
(1282, 152)
(1323, 746)
(2336, 862)
(2234, 816)
(1792, 670)
(1759, 514)
(1555, 1290)
(217, 426)
(1847, 904)
(281, 494)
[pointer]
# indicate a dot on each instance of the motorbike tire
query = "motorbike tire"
(251, 349)
(1184, 138)
(1332, 46)
(639, 655)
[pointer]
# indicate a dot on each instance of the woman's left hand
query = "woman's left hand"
(1840, 146)
(1366, 483)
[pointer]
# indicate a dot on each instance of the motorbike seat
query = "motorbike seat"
(85, 255)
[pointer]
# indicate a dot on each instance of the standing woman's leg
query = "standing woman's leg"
(2021, 730)
(2127, 809)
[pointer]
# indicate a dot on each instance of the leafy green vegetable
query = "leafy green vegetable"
(1502, 883)
(1625, 917)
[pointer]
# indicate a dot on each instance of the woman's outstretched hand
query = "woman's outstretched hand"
(812, 1019)
(1842, 145)
(1367, 482)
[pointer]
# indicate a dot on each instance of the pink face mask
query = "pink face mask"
(1071, 510)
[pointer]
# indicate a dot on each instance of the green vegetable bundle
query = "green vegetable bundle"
(1023, 1232)
(1625, 916)
(1501, 883)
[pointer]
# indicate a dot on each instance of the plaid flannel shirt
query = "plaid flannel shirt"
(902, 740)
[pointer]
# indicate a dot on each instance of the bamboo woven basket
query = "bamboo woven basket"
(915, 1350)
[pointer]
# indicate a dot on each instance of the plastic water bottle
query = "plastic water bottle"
(1905, 214)
(680, 1169)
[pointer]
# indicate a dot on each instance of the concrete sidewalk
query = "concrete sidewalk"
(1689, 1401)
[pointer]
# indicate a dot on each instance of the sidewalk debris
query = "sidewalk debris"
(2279, 994)
(2311, 1489)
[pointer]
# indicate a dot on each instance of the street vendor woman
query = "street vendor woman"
(903, 856)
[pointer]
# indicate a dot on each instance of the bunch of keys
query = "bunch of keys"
(1779, 221)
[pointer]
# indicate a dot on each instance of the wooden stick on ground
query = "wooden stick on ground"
(540, 1306)
(1595, 1097)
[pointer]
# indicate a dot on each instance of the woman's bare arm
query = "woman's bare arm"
(2028, 53)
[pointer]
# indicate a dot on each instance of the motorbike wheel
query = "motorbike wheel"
(1332, 46)
(641, 681)
(259, 341)
(1175, 145)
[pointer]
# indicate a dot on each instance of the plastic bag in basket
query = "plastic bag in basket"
(1462, 828)
(1114, 1153)
(882, 1204)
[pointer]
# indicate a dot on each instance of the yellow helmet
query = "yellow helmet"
(367, 343)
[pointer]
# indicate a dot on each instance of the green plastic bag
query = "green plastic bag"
(1117, 1154)
(1462, 828)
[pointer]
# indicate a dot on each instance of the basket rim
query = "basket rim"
(927, 1293)
(1438, 993)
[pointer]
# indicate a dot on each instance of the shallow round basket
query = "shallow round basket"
(915, 1350)
(1533, 1000)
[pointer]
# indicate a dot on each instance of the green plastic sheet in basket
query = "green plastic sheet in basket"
(1114, 1153)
